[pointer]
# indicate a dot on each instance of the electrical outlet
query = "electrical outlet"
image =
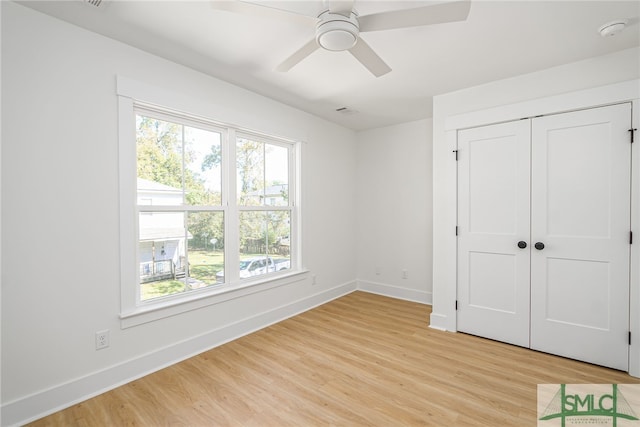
(377, 271)
(102, 339)
(313, 280)
(405, 274)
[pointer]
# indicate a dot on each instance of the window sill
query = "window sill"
(195, 300)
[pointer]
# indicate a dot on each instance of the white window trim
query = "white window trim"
(133, 312)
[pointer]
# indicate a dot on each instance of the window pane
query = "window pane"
(206, 248)
(262, 173)
(175, 260)
(250, 172)
(276, 175)
(264, 242)
(279, 231)
(161, 247)
(159, 160)
(203, 172)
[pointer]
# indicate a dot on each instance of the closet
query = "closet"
(544, 233)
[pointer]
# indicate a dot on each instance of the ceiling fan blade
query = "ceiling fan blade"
(426, 15)
(298, 55)
(256, 9)
(367, 57)
(342, 7)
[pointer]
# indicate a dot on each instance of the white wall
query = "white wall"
(394, 210)
(618, 67)
(60, 265)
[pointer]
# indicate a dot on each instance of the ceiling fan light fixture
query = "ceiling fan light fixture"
(337, 32)
(337, 40)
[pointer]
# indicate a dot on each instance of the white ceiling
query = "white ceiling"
(498, 40)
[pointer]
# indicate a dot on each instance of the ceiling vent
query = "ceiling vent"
(346, 111)
(95, 3)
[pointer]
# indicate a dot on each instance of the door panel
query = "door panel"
(578, 178)
(491, 281)
(578, 308)
(493, 200)
(580, 196)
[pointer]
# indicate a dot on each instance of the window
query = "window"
(214, 208)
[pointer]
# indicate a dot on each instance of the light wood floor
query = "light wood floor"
(360, 360)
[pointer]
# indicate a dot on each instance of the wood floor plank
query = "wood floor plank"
(362, 359)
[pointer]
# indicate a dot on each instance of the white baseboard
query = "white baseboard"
(392, 291)
(438, 321)
(62, 396)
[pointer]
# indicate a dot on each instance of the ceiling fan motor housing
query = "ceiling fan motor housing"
(337, 32)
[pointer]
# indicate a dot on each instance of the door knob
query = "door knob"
(522, 244)
(539, 246)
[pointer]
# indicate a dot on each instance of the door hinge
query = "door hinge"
(456, 151)
(456, 230)
(456, 305)
(632, 132)
(629, 337)
(631, 237)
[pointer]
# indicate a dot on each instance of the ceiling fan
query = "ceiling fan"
(338, 26)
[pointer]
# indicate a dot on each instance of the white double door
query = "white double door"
(544, 233)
